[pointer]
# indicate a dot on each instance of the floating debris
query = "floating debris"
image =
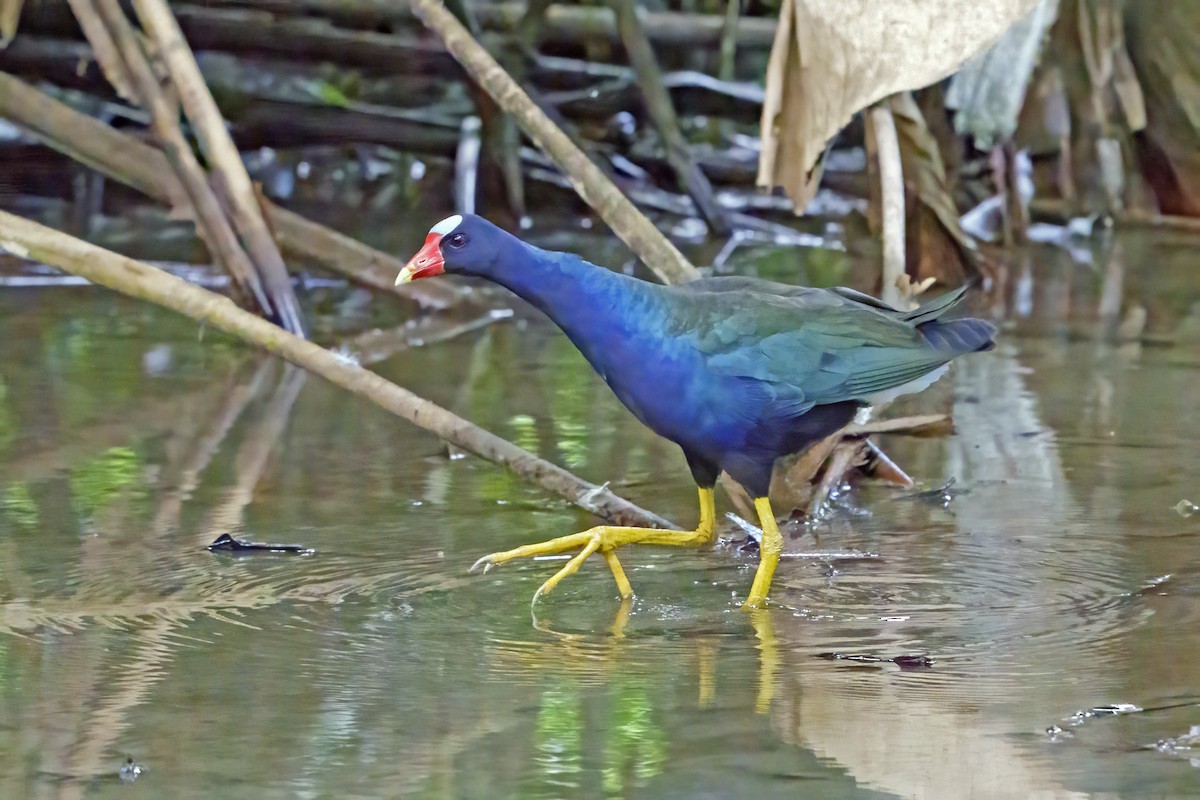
(1117, 709)
(227, 544)
(1186, 508)
(130, 771)
(1058, 734)
(941, 496)
(1172, 746)
(904, 662)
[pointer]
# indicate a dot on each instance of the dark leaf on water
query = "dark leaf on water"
(904, 662)
(227, 544)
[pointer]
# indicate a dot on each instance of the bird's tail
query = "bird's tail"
(935, 307)
(959, 335)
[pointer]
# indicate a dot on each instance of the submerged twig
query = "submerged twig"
(846, 455)
(31, 240)
(375, 346)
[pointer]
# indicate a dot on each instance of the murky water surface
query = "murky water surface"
(1057, 592)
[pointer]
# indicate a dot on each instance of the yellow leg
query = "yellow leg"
(769, 549)
(605, 539)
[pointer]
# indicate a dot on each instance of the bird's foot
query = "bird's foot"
(603, 539)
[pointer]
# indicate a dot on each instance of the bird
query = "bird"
(737, 371)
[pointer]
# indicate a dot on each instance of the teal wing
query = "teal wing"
(821, 346)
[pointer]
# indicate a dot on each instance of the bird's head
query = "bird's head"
(465, 244)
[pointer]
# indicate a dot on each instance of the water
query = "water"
(1058, 581)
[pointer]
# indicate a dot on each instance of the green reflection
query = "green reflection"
(524, 432)
(573, 392)
(96, 483)
(18, 504)
(560, 734)
(634, 744)
(8, 430)
(572, 442)
(637, 748)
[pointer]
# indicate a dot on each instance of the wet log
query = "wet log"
(31, 240)
(282, 123)
(311, 40)
(251, 31)
(562, 22)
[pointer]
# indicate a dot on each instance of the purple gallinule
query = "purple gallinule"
(736, 371)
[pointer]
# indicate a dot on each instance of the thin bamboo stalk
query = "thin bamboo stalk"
(224, 159)
(211, 223)
(891, 180)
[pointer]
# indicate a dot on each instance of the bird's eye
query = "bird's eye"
(457, 240)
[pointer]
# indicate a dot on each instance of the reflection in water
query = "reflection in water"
(1057, 579)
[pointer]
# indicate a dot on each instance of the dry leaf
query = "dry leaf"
(10, 15)
(832, 58)
(989, 91)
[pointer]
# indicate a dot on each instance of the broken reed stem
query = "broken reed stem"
(31, 240)
(224, 159)
(124, 158)
(645, 240)
(727, 69)
(211, 223)
(891, 194)
(662, 114)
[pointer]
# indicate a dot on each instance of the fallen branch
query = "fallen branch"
(374, 346)
(880, 467)
(124, 158)
(650, 245)
(31, 240)
(1059, 212)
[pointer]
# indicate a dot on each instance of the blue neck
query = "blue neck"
(599, 310)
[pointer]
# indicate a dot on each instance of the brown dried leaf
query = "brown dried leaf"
(10, 16)
(832, 58)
